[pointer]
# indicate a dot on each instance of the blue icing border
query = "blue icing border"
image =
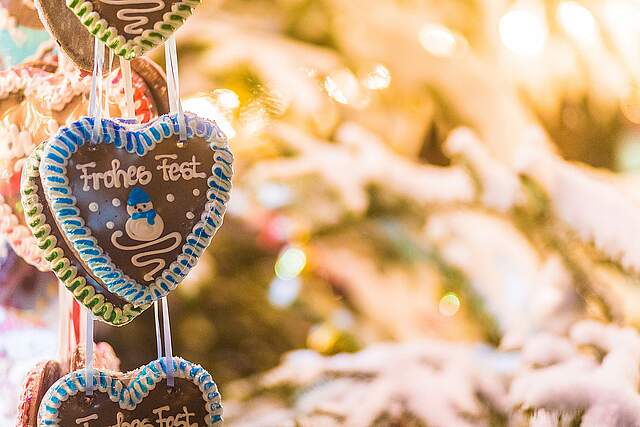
(138, 140)
(128, 397)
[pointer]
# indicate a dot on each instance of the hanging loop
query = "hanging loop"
(173, 86)
(95, 98)
(88, 352)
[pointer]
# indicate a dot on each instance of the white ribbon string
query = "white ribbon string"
(95, 103)
(173, 85)
(158, 336)
(107, 90)
(125, 66)
(166, 328)
(168, 348)
(88, 360)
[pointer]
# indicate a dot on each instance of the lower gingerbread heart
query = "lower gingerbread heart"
(141, 398)
(138, 207)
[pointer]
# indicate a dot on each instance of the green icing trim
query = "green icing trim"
(129, 49)
(83, 292)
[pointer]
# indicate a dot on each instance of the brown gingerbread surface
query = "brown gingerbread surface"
(182, 405)
(169, 181)
(132, 18)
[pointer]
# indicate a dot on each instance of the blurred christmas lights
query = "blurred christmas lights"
(523, 30)
(343, 86)
(274, 195)
(449, 304)
(226, 98)
(207, 107)
(440, 41)
(378, 78)
(290, 263)
(283, 292)
(322, 337)
(577, 21)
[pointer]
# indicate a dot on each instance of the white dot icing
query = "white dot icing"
(190, 215)
(196, 192)
(115, 202)
(93, 207)
(170, 197)
(110, 225)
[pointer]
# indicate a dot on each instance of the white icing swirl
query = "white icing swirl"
(136, 259)
(135, 14)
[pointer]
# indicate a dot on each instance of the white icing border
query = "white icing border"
(137, 140)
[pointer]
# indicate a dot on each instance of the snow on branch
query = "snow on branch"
(593, 203)
(501, 187)
(523, 290)
(439, 384)
(357, 160)
(560, 378)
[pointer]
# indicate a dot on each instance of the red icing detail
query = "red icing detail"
(142, 102)
(75, 320)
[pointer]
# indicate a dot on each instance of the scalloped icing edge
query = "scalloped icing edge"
(128, 397)
(83, 292)
(149, 39)
(137, 140)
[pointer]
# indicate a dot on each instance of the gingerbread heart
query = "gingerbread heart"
(132, 27)
(60, 257)
(140, 398)
(138, 208)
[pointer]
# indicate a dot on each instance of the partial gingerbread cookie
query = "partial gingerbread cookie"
(104, 357)
(129, 27)
(36, 383)
(128, 398)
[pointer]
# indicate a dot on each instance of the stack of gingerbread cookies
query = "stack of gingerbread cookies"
(115, 189)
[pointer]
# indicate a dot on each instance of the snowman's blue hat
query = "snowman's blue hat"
(137, 195)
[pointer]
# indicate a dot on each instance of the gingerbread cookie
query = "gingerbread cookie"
(132, 27)
(138, 209)
(123, 221)
(70, 35)
(36, 383)
(152, 86)
(136, 398)
(104, 357)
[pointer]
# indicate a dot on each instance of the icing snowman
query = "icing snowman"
(144, 224)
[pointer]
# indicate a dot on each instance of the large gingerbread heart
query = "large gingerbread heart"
(138, 208)
(140, 398)
(132, 27)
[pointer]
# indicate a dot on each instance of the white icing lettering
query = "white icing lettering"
(120, 422)
(135, 14)
(173, 171)
(85, 420)
(181, 419)
(85, 174)
(115, 177)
